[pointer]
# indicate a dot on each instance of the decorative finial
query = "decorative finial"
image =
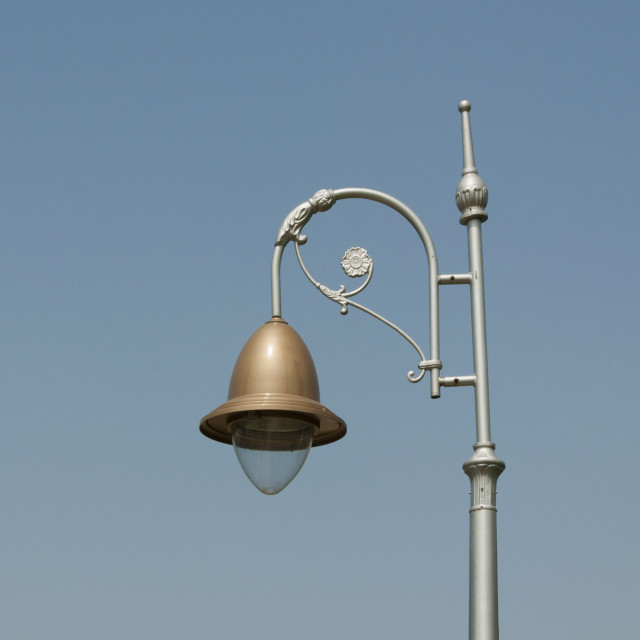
(472, 194)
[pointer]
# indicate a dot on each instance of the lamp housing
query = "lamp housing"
(273, 407)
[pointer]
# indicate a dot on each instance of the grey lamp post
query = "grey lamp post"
(273, 414)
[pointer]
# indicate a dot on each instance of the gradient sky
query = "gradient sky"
(150, 151)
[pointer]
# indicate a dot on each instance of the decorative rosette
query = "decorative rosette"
(356, 262)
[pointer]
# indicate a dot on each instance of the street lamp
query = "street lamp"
(273, 415)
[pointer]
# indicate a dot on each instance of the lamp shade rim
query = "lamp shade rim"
(216, 425)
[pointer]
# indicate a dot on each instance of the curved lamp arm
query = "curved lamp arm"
(323, 200)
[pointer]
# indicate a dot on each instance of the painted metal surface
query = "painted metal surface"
(274, 375)
(484, 467)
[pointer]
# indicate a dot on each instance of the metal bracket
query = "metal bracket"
(454, 278)
(356, 263)
(458, 381)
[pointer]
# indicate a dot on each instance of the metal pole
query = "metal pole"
(484, 467)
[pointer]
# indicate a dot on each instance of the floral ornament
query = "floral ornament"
(356, 262)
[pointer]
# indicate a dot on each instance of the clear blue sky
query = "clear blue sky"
(150, 151)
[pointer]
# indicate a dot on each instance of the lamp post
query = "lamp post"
(273, 414)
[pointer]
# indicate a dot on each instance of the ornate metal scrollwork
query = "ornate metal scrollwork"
(336, 296)
(357, 263)
(292, 227)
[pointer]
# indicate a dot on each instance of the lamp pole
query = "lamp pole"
(484, 467)
(273, 413)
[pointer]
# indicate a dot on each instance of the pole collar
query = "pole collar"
(430, 364)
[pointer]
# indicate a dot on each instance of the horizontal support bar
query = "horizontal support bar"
(458, 381)
(454, 278)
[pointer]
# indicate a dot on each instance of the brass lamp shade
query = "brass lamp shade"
(274, 376)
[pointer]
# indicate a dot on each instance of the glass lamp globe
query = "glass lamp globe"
(272, 448)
